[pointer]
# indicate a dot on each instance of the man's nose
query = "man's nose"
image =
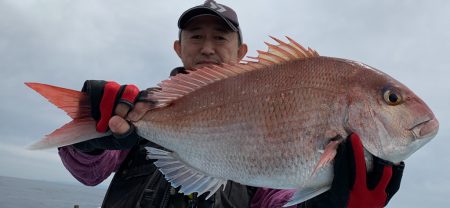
(208, 48)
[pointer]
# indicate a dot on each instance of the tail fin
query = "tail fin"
(76, 104)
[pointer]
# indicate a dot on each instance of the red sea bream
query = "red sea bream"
(265, 123)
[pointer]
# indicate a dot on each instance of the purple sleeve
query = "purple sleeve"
(91, 169)
(271, 197)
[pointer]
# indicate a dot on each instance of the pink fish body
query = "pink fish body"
(268, 123)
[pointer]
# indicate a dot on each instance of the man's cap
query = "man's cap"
(210, 7)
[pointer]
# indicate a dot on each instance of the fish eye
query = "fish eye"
(392, 97)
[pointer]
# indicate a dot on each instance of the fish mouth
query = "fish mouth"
(425, 129)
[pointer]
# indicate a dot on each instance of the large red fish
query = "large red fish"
(265, 123)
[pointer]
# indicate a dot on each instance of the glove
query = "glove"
(352, 186)
(104, 97)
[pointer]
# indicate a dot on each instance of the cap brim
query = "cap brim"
(188, 15)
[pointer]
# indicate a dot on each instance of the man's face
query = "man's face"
(207, 40)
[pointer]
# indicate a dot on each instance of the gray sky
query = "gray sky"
(66, 42)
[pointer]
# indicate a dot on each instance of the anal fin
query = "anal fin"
(180, 174)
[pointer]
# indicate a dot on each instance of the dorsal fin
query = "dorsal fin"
(284, 52)
(183, 84)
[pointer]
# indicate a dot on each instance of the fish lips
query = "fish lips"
(425, 129)
(422, 132)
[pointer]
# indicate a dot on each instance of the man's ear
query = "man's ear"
(242, 51)
(177, 47)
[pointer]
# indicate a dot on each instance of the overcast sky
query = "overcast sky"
(63, 42)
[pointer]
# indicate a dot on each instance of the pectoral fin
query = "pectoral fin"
(328, 154)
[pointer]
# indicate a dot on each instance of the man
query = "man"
(209, 34)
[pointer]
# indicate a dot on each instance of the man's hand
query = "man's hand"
(352, 186)
(113, 105)
(118, 123)
(109, 101)
(108, 98)
(365, 190)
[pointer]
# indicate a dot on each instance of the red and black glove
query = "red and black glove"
(352, 186)
(104, 97)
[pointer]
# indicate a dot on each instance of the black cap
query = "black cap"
(212, 8)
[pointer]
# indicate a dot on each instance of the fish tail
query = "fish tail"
(77, 105)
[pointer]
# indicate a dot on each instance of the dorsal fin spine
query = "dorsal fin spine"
(270, 56)
(206, 74)
(175, 86)
(198, 78)
(293, 49)
(287, 55)
(186, 78)
(277, 40)
(313, 52)
(159, 94)
(266, 61)
(225, 71)
(173, 90)
(219, 74)
(309, 51)
(203, 77)
(176, 79)
(296, 44)
(233, 68)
